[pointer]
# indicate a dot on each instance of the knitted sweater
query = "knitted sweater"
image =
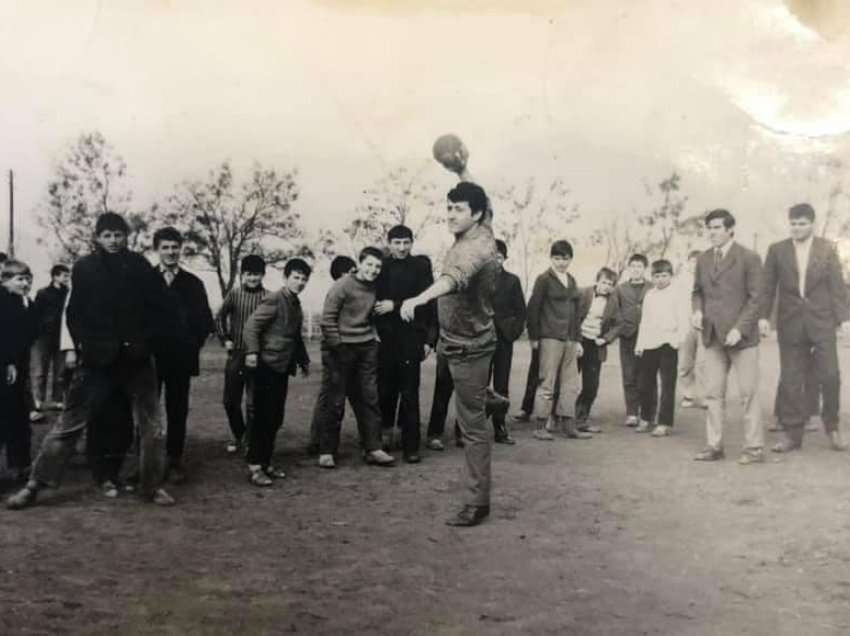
(347, 313)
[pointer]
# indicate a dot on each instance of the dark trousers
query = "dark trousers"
(176, 386)
(662, 362)
(349, 370)
(90, 392)
(236, 382)
(817, 362)
(629, 366)
(443, 388)
(531, 382)
(109, 438)
(270, 389)
(500, 374)
(15, 432)
(46, 360)
(812, 390)
(398, 390)
(589, 367)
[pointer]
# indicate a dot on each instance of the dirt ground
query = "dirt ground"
(622, 534)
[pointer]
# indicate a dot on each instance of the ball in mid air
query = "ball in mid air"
(451, 152)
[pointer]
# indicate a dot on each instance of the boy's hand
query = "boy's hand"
(764, 327)
(426, 351)
(251, 361)
(305, 370)
(228, 345)
(579, 350)
(638, 352)
(733, 337)
(534, 344)
(696, 320)
(11, 374)
(383, 307)
(601, 342)
(71, 359)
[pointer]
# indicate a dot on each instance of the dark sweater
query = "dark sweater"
(347, 313)
(401, 279)
(630, 300)
(16, 332)
(553, 310)
(508, 307)
(47, 310)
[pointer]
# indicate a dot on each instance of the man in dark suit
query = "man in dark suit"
(117, 315)
(726, 309)
(403, 345)
(177, 361)
(509, 317)
(803, 273)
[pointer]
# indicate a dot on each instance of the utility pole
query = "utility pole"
(11, 214)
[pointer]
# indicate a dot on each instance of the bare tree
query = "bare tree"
(91, 179)
(224, 221)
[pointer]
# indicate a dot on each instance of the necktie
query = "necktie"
(718, 256)
(169, 277)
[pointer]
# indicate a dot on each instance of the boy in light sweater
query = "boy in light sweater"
(350, 362)
(663, 328)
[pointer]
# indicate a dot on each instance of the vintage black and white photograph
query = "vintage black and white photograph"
(425, 317)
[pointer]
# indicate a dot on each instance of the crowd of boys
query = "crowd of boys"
(130, 332)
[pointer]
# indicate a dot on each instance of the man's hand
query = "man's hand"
(228, 345)
(696, 320)
(733, 337)
(251, 361)
(844, 327)
(408, 308)
(305, 370)
(383, 307)
(601, 342)
(579, 350)
(764, 327)
(71, 359)
(638, 352)
(11, 374)
(426, 351)
(534, 344)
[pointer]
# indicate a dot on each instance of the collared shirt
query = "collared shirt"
(802, 249)
(564, 278)
(169, 273)
(723, 251)
(466, 315)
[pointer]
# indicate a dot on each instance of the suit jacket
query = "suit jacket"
(16, 330)
(812, 318)
(610, 317)
(193, 323)
(553, 309)
(274, 332)
(118, 307)
(47, 310)
(728, 297)
(398, 281)
(508, 307)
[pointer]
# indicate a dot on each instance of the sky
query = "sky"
(749, 100)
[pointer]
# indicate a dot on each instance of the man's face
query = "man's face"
(718, 233)
(368, 269)
(252, 280)
(637, 270)
(169, 253)
(662, 279)
(63, 279)
(500, 259)
(400, 247)
(560, 263)
(19, 284)
(801, 228)
(459, 217)
(111, 241)
(296, 281)
(604, 286)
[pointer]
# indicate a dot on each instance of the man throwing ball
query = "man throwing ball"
(467, 332)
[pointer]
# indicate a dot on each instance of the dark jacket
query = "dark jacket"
(274, 332)
(610, 317)
(508, 307)
(553, 309)
(729, 296)
(825, 306)
(193, 323)
(47, 311)
(118, 307)
(630, 303)
(16, 330)
(399, 280)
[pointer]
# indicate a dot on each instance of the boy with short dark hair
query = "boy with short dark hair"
(663, 327)
(274, 348)
(15, 338)
(629, 296)
(46, 357)
(239, 303)
(350, 360)
(554, 328)
(599, 314)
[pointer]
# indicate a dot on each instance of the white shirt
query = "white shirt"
(66, 343)
(802, 249)
(664, 319)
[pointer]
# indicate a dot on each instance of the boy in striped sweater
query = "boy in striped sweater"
(239, 303)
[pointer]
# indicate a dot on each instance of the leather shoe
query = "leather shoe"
(24, 498)
(709, 455)
(836, 442)
(505, 438)
(496, 404)
(413, 458)
(469, 516)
